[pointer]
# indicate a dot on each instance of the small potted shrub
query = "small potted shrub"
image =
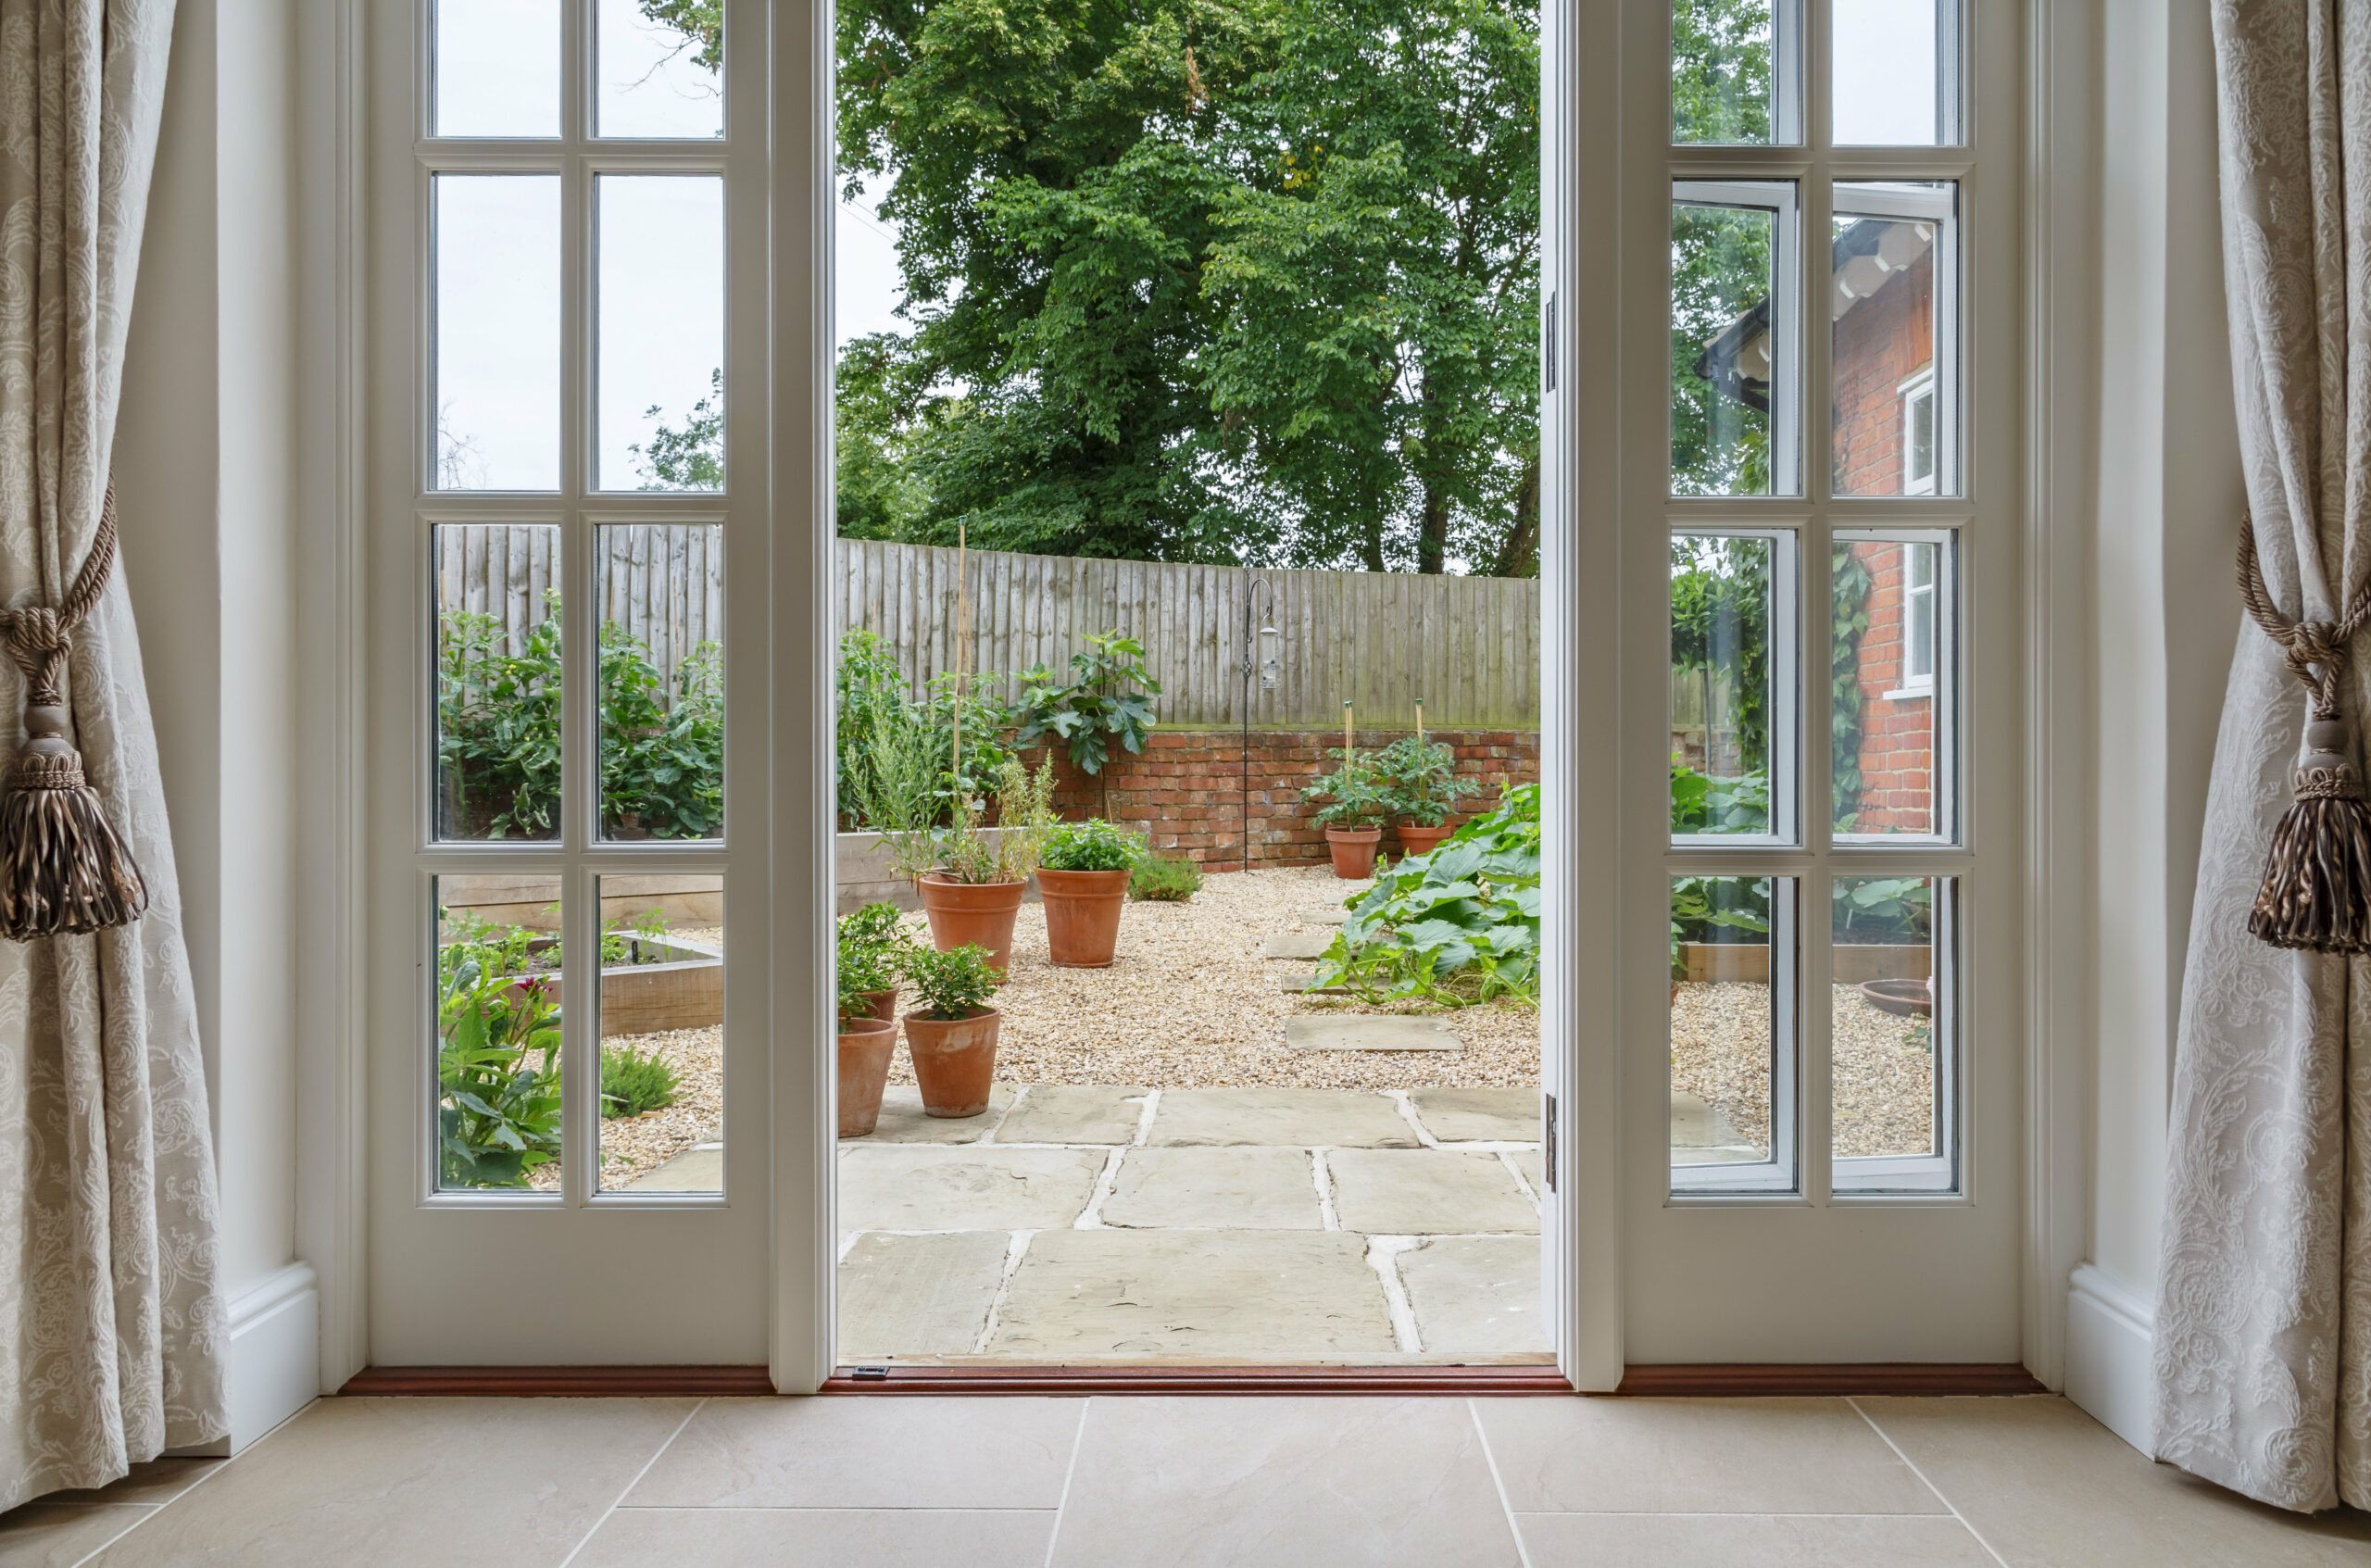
(1082, 875)
(973, 889)
(952, 1036)
(1424, 788)
(1351, 805)
(866, 1045)
(874, 950)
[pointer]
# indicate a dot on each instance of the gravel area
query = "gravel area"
(1884, 1077)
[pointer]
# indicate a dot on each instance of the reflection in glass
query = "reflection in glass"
(497, 1033)
(1723, 598)
(498, 681)
(662, 1033)
(1894, 62)
(1725, 73)
(1886, 723)
(497, 332)
(1731, 1076)
(1727, 348)
(1889, 281)
(661, 332)
(1886, 1046)
(496, 70)
(661, 69)
(662, 681)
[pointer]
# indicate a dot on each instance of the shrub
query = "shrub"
(1092, 845)
(1350, 796)
(954, 984)
(497, 1066)
(1421, 781)
(1166, 879)
(634, 1082)
(1456, 927)
(1109, 698)
(662, 762)
(875, 949)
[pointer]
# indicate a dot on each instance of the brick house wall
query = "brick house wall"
(1898, 725)
(1880, 343)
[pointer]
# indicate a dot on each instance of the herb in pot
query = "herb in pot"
(954, 983)
(1092, 845)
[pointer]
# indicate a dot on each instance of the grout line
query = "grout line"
(1515, 1171)
(1324, 1177)
(1407, 1108)
(988, 1137)
(1523, 1552)
(1091, 1217)
(1144, 1118)
(1887, 1438)
(627, 1489)
(1382, 1255)
(1078, 1441)
(1014, 1247)
(281, 1425)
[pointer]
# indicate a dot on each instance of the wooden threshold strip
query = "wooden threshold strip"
(561, 1382)
(1154, 1379)
(1741, 1380)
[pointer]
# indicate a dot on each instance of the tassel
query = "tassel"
(2316, 893)
(63, 868)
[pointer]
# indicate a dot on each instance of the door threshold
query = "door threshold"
(1153, 1378)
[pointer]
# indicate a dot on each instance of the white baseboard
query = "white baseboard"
(275, 1367)
(2109, 1333)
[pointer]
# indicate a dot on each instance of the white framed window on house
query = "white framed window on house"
(1918, 464)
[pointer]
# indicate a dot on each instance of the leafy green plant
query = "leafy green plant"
(954, 983)
(968, 852)
(1093, 846)
(1108, 697)
(1353, 796)
(497, 1070)
(1700, 904)
(874, 951)
(1850, 584)
(497, 726)
(1884, 908)
(1705, 803)
(1421, 782)
(1165, 879)
(634, 1082)
(662, 762)
(1455, 928)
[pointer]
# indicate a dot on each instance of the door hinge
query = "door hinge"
(1548, 347)
(1547, 1144)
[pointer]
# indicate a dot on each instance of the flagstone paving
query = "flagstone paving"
(920, 1295)
(1478, 1115)
(903, 1120)
(1425, 1192)
(1368, 1032)
(1303, 1118)
(925, 1188)
(1075, 1114)
(1215, 1189)
(1475, 1293)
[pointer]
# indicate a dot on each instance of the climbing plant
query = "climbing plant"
(1850, 582)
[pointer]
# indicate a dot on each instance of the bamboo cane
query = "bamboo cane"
(962, 656)
(1346, 732)
(1420, 720)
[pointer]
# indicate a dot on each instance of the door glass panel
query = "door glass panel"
(661, 69)
(662, 1033)
(497, 1062)
(1889, 685)
(1732, 72)
(1896, 369)
(498, 325)
(496, 69)
(1896, 65)
(661, 332)
(498, 673)
(1890, 1035)
(662, 681)
(1732, 339)
(1732, 742)
(1732, 1034)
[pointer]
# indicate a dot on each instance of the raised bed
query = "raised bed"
(1855, 962)
(669, 984)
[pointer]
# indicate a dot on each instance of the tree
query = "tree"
(701, 22)
(691, 458)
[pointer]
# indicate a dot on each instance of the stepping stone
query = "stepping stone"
(919, 1188)
(1305, 1118)
(1428, 1192)
(1303, 982)
(1266, 1296)
(1252, 1189)
(695, 1170)
(1475, 1295)
(1328, 914)
(1302, 945)
(1368, 1032)
(1479, 1115)
(1074, 1114)
(904, 1120)
(918, 1295)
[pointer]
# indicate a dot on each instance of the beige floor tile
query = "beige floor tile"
(1700, 1456)
(42, 1534)
(863, 1451)
(1425, 1192)
(360, 1483)
(158, 1481)
(2047, 1487)
(923, 1188)
(1749, 1540)
(1282, 1484)
(731, 1537)
(918, 1295)
(1252, 1189)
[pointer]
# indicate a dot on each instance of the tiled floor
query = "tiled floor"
(886, 1481)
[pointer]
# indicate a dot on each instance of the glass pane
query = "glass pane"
(1894, 371)
(1888, 725)
(1889, 1035)
(497, 332)
(1896, 65)
(498, 681)
(661, 69)
(497, 69)
(662, 1033)
(1727, 70)
(661, 342)
(497, 1033)
(1732, 345)
(1724, 609)
(1731, 1054)
(662, 681)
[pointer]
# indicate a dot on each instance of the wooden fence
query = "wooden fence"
(1468, 647)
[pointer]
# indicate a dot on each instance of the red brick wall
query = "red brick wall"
(1185, 789)
(1881, 342)
(1897, 733)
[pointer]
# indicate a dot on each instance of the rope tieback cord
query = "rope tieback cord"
(64, 870)
(2316, 892)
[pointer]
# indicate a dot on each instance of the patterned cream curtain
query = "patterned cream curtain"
(2264, 1306)
(111, 1336)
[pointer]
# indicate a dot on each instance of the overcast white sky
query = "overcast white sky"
(661, 261)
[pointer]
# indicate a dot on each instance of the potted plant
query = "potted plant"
(972, 890)
(873, 950)
(1082, 875)
(866, 1043)
(1422, 785)
(1351, 805)
(952, 1036)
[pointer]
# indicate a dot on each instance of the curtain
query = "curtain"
(2262, 1335)
(111, 1332)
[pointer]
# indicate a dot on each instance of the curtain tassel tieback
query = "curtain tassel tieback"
(2316, 892)
(63, 867)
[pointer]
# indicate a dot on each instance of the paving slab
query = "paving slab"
(1306, 1117)
(1303, 982)
(1257, 1189)
(695, 1170)
(918, 1295)
(1428, 1192)
(1266, 1295)
(904, 1120)
(1475, 1295)
(1303, 944)
(1327, 915)
(1479, 1115)
(1534, 1171)
(1697, 1124)
(1368, 1032)
(1074, 1114)
(923, 1187)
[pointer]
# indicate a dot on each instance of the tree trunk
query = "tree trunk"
(1519, 551)
(1432, 539)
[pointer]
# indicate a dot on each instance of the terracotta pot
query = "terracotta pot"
(964, 912)
(1083, 915)
(955, 1059)
(882, 1005)
(1414, 840)
(866, 1046)
(1353, 851)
